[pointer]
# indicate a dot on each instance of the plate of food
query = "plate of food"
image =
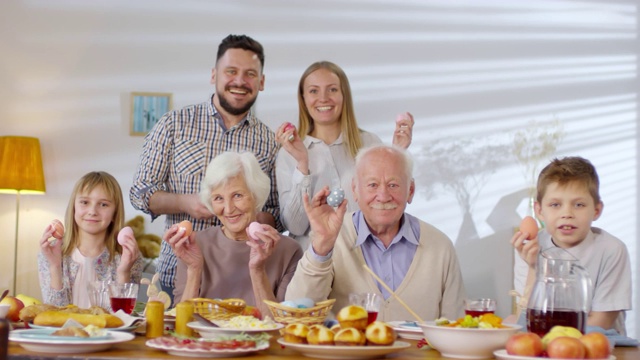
(503, 355)
(344, 352)
(225, 347)
(407, 329)
(236, 325)
(42, 340)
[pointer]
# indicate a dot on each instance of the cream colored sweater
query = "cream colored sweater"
(432, 287)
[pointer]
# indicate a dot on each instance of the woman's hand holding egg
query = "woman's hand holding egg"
(178, 237)
(262, 239)
(403, 133)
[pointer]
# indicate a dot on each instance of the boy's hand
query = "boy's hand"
(527, 249)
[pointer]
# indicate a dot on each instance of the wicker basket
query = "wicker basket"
(218, 309)
(309, 316)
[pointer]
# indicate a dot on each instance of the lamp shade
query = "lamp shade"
(21, 165)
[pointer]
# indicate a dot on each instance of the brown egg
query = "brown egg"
(58, 229)
(530, 226)
(186, 225)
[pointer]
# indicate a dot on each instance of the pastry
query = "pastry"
(353, 316)
(296, 333)
(349, 337)
(320, 335)
(380, 333)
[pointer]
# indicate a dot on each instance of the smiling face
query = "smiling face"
(234, 205)
(323, 96)
(382, 190)
(568, 211)
(93, 211)
(238, 78)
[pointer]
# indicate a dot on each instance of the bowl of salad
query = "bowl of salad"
(468, 337)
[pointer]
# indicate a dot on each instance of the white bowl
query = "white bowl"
(467, 343)
(4, 309)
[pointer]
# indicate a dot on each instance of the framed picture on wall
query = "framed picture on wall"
(146, 109)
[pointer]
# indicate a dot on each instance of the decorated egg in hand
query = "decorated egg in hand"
(123, 234)
(254, 229)
(335, 198)
(58, 229)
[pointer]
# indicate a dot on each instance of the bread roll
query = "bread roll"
(349, 337)
(380, 333)
(353, 316)
(58, 318)
(320, 335)
(296, 333)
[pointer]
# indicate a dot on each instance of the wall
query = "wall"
(472, 73)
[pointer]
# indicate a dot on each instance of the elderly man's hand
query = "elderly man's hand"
(325, 221)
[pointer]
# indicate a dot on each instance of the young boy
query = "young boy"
(568, 201)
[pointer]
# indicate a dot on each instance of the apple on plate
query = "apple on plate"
(15, 305)
(252, 311)
(597, 345)
(566, 347)
(524, 344)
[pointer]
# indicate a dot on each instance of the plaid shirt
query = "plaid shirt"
(176, 153)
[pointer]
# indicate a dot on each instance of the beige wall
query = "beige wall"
(471, 72)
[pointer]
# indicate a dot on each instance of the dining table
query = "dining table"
(136, 349)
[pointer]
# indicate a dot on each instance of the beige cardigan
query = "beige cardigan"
(433, 286)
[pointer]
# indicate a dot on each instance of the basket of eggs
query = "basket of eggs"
(217, 309)
(307, 312)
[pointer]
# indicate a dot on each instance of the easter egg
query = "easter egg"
(335, 198)
(58, 231)
(305, 303)
(530, 226)
(289, 303)
(186, 225)
(255, 228)
(123, 234)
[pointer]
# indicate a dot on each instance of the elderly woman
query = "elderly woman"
(224, 261)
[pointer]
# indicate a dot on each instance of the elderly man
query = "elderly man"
(413, 258)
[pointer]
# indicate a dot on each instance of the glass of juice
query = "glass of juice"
(123, 296)
(369, 301)
(477, 307)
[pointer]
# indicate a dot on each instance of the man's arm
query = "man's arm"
(162, 202)
(604, 319)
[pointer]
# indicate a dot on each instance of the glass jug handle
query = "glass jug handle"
(585, 282)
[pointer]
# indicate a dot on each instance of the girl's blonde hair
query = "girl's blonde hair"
(85, 185)
(348, 123)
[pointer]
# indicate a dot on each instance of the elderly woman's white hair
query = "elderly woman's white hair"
(230, 164)
(404, 155)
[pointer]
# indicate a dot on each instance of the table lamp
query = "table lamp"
(20, 173)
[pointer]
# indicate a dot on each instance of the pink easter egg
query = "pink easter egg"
(123, 234)
(254, 229)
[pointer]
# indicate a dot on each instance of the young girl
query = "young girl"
(89, 249)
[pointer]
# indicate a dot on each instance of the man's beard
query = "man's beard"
(235, 110)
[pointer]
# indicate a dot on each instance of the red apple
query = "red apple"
(566, 347)
(524, 344)
(597, 345)
(253, 311)
(15, 305)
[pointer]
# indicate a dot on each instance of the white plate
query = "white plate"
(64, 345)
(185, 352)
(121, 328)
(502, 355)
(345, 352)
(208, 331)
(407, 331)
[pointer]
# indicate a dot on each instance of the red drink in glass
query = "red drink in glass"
(540, 322)
(476, 313)
(373, 315)
(126, 304)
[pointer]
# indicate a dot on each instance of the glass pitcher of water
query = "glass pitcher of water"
(561, 294)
